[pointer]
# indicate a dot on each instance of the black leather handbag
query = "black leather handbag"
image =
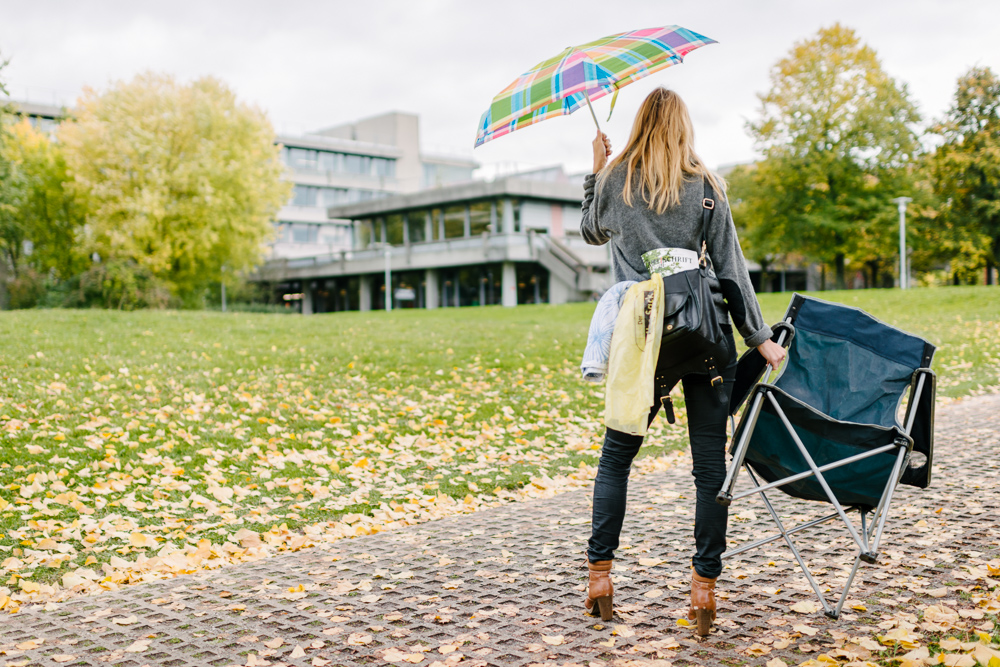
(693, 341)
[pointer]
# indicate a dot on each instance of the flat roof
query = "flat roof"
(449, 160)
(511, 186)
(339, 145)
(37, 110)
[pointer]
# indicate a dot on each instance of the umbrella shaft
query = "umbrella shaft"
(593, 115)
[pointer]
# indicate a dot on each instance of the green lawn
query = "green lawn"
(194, 438)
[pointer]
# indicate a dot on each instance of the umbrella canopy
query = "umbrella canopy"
(562, 84)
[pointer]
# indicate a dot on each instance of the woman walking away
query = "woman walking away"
(649, 197)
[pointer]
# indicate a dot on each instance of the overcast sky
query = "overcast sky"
(315, 64)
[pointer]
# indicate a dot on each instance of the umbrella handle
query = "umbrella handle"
(594, 115)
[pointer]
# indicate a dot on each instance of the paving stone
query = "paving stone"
(503, 584)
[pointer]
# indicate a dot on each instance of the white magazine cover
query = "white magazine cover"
(668, 261)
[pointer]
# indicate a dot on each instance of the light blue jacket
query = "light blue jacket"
(602, 325)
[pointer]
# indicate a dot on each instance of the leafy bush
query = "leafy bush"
(117, 284)
(26, 290)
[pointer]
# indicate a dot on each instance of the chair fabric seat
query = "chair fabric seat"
(773, 454)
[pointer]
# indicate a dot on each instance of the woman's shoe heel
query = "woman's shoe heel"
(704, 621)
(604, 606)
(600, 590)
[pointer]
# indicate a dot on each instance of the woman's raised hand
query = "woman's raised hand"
(602, 151)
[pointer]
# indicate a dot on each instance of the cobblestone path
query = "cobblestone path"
(505, 586)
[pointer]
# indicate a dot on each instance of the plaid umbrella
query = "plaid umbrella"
(562, 84)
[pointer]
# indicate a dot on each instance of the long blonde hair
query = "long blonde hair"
(661, 148)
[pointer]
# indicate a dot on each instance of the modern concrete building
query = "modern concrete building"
(352, 163)
(43, 117)
(509, 241)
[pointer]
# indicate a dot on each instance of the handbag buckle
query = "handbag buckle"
(708, 203)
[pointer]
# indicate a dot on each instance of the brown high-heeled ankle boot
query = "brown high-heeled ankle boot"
(600, 590)
(702, 602)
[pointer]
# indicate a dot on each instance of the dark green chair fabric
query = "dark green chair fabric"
(841, 388)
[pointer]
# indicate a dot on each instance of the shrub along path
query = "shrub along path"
(504, 586)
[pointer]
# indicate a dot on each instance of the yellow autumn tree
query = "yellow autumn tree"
(181, 179)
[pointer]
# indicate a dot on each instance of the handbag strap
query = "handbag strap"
(707, 209)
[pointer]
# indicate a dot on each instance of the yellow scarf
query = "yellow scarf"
(635, 347)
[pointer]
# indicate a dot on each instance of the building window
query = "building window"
(305, 195)
(416, 222)
(312, 195)
(479, 218)
(331, 162)
(454, 222)
(305, 233)
(303, 159)
(308, 159)
(394, 229)
(365, 233)
(337, 235)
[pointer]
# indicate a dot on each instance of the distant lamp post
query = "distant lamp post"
(222, 282)
(901, 202)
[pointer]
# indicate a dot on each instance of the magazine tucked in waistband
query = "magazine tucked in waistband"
(668, 261)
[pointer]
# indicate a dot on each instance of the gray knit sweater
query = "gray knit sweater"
(635, 230)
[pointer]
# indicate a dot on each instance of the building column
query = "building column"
(307, 297)
(509, 282)
(365, 294)
(507, 222)
(431, 288)
(429, 227)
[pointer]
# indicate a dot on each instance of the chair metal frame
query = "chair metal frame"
(869, 537)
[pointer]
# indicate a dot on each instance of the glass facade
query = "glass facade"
(470, 286)
(365, 234)
(314, 160)
(416, 223)
(394, 229)
(454, 222)
(315, 195)
(305, 232)
(336, 294)
(532, 284)
(481, 216)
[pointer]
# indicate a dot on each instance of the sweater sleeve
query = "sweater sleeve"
(590, 225)
(731, 270)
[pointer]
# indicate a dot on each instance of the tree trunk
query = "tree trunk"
(840, 262)
(873, 269)
(989, 272)
(3, 283)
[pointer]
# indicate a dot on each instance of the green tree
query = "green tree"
(836, 132)
(181, 179)
(40, 224)
(965, 173)
(5, 195)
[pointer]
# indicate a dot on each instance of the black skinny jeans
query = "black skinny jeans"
(707, 432)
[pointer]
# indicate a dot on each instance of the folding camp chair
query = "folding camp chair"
(827, 428)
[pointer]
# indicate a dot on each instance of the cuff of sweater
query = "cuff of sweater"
(758, 337)
(589, 181)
